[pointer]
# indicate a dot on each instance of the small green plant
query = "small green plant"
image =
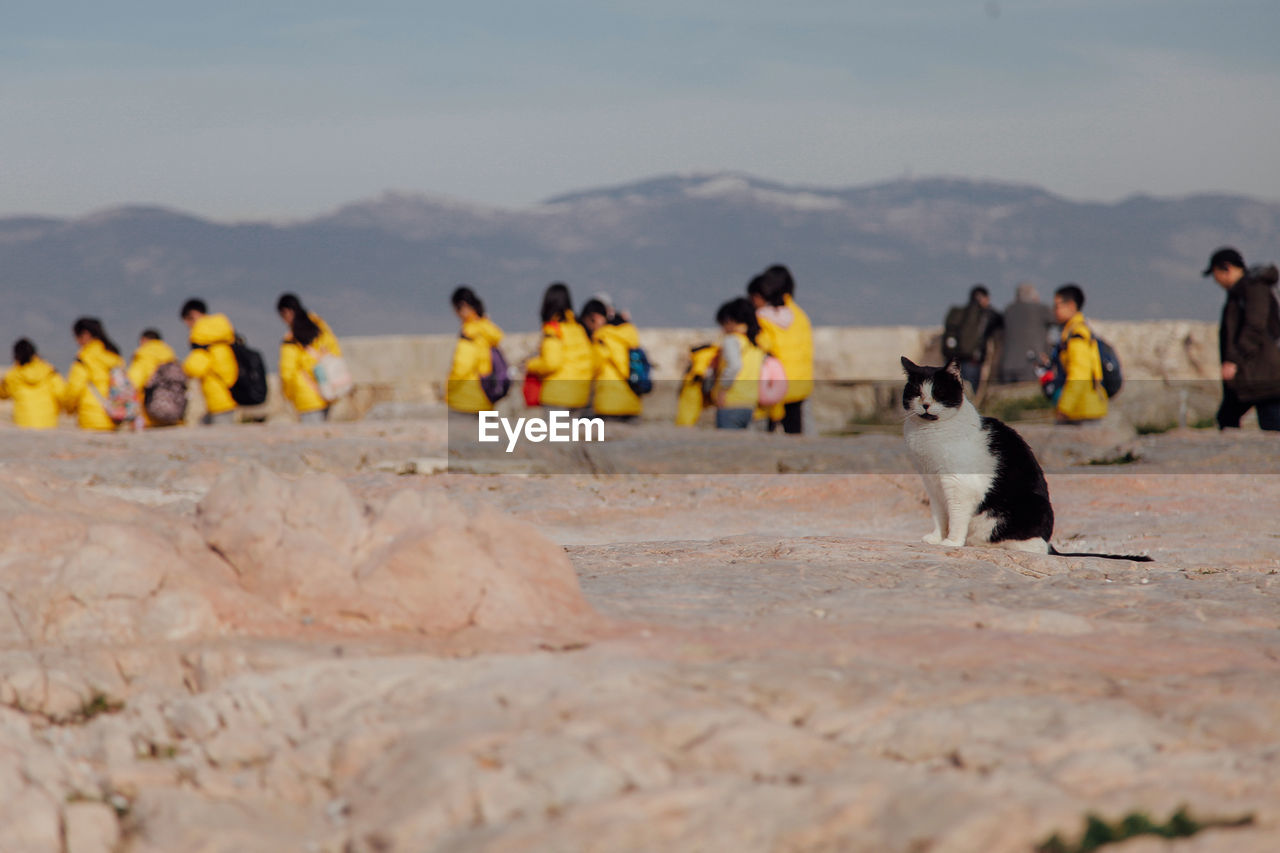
(1098, 832)
(98, 703)
(1015, 408)
(1126, 458)
(1207, 422)
(1154, 428)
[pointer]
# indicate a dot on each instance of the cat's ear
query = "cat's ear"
(909, 365)
(953, 367)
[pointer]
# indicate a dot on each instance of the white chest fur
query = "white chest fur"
(952, 457)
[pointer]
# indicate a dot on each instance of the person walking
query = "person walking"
(35, 387)
(966, 331)
(88, 384)
(1247, 336)
(1082, 398)
(211, 360)
(1028, 324)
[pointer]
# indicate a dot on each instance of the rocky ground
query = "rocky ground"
(266, 638)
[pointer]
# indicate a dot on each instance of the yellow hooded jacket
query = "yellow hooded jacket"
(37, 391)
(1082, 397)
(297, 377)
(693, 399)
(613, 394)
(790, 339)
(146, 359)
(93, 365)
(744, 392)
(213, 362)
(566, 363)
(471, 360)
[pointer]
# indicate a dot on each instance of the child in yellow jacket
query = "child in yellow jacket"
(35, 387)
(1082, 397)
(472, 354)
(737, 386)
(152, 352)
(612, 396)
(786, 333)
(566, 360)
(89, 379)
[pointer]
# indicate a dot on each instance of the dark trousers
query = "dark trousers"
(792, 419)
(971, 372)
(1233, 409)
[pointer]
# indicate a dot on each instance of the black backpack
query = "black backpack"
(250, 388)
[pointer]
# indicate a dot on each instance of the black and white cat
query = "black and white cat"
(985, 486)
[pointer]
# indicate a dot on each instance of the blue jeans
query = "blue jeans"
(733, 418)
(971, 372)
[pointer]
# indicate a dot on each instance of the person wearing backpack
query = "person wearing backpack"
(693, 396)
(152, 353)
(612, 397)
(472, 354)
(566, 361)
(965, 333)
(785, 332)
(211, 360)
(736, 391)
(35, 387)
(1247, 340)
(89, 380)
(1082, 397)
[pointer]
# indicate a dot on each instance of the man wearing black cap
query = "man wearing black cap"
(1247, 340)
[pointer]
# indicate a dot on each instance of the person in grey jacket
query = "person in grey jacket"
(1028, 324)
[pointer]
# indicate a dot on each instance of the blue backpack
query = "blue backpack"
(497, 382)
(640, 375)
(1055, 375)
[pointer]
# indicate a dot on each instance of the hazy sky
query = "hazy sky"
(287, 109)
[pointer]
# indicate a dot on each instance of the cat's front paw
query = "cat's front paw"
(953, 543)
(933, 538)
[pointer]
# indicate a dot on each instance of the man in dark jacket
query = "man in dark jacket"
(965, 333)
(1247, 340)
(1027, 326)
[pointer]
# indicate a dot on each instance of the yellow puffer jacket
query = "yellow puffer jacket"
(92, 366)
(471, 360)
(566, 363)
(1082, 396)
(297, 378)
(702, 360)
(146, 358)
(327, 342)
(37, 392)
(213, 362)
(744, 393)
(613, 394)
(790, 339)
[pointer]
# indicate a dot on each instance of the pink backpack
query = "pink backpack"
(773, 382)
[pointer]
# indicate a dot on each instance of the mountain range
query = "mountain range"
(669, 249)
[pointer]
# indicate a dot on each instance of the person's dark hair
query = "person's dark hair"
(466, 296)
(978, 290)
(193, 305)
(784, 279)
(594, 306)
(290, 301)
(93, 326)
(740, 310)
(23, 351)
(769, 286)
(151, 335)
(1071, 293)
(303, 328)
(556, 302)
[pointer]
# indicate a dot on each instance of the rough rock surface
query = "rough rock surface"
(262, 639)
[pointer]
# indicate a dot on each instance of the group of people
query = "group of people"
(1028, 342)
(585, 361)
(99, 385)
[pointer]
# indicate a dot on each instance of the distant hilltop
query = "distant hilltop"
(669, 249)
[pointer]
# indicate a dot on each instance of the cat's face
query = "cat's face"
(932, 393)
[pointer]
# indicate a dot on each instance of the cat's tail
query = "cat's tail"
(1137, 558)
